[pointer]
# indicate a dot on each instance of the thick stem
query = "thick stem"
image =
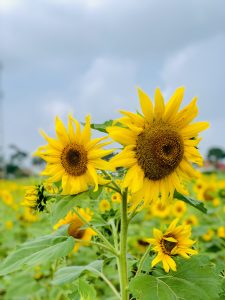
(123, 249)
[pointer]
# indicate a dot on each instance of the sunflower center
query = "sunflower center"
(168, 246)
(74, 159)
(159, 150)
(75, 231)
(208, 194)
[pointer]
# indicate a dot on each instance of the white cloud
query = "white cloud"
(106, 87)
(199, 68)
(56, 107)
(6, 6)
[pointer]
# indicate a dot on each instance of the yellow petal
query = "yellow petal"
(174, 103)
(193, 130)
(159, 105)
(122, 135)
(94, 176)
(61, 131)
(86, 134)
(146, 105)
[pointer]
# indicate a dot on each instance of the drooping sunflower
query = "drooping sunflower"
(73, 157)
(159, 146)
(175, 241)
(75, 226)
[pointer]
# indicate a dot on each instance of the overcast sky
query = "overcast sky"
(88, 56)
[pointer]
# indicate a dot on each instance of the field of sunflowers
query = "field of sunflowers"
(139, 224)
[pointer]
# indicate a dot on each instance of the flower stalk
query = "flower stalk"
(123, 249)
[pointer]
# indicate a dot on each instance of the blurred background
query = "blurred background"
(88, 56)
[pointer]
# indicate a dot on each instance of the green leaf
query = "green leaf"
(86, 291)
(102, 127)
(94, 195)
(98, 221)
(64, 204)
(22, 286)
(38, 251)
(195, 279)
(195, 203)
(69, 274)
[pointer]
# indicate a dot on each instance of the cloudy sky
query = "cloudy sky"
(88, 56)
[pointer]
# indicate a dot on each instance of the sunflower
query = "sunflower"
(104, 205)
(116, 197)
(206, 187)
(76, 225)
(208, 236)
(159, 146)
(35, 197)
(221, 232)
(175, 241)
(73, 157)
(179, 208)
(191, 220)
(160, 210)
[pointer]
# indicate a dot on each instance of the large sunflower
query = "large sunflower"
(159, 146)
(175, 241)
(73, 157)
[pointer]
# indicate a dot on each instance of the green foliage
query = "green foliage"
(69, 274)
(41, 250)
(86, 291)
(195, 277)
(195, 203)
(64, 204)
(102, 127)
(22, 286)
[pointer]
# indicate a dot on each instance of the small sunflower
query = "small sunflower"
(76, 225)
(179, 208)
(73, 157)
(221, 232)
(191, 220)
(116, 197)
(104, 205)
(208, 236)
(160, 146)
(175, 241)
(161, 210)
(206, 188)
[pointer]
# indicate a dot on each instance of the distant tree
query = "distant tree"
(15, 165)
(38, 162)
(215, 156)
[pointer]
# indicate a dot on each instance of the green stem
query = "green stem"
(100, 245)
(141, 263)
(116, 187)
(100, 235)
(109, 283)
(113, 188)
(123, 249)
(116, 244)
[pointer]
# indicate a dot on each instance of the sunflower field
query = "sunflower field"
(128, 215)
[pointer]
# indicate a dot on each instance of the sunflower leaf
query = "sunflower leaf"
(64, 204)
(69, 274)
(41, 250)
(195, 277)
(102, 127)
(195, 203)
